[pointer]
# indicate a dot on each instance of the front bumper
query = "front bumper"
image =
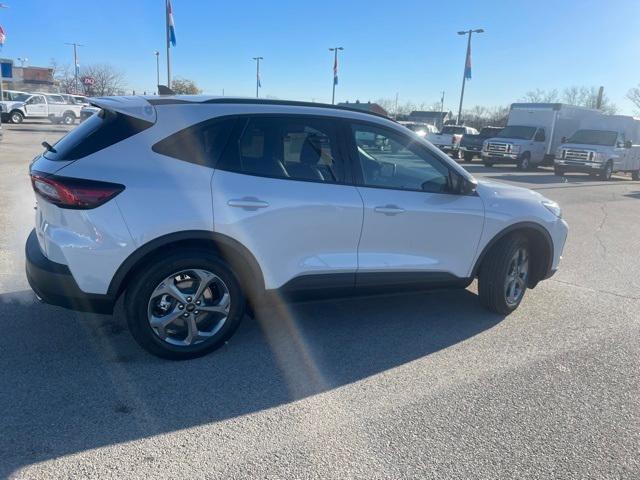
(471, 149)
(500, 157)
(53, 283)
(582, 167)
(448, 148)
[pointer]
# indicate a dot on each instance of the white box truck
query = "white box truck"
(602, 146)
(533, 133)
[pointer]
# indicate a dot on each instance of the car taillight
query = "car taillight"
(74, 193)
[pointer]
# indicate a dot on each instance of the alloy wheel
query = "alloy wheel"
(189, 307)
(516, 281)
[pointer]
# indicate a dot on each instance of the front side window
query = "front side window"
(390, 160)
(297, 148)
(37, 100)
(540, 135)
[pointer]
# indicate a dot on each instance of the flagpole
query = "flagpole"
(166, 10)
(464, 72)
(335, 72)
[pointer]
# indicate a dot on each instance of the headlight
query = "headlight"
(596, 157)
(421, 133)
(553, 207)
(485, 146)
(515, 149)
(560, 153)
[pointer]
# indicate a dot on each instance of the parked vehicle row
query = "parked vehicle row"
(17, 106)
(572, 139)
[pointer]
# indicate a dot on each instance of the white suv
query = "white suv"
(193, 206)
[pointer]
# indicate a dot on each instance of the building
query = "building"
(365, 107)
(432, 117)
(28, 79)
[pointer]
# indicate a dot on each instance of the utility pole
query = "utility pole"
(257, 59)
(75, 64)
(467, 66)
(396, 107)
(441, 122)
(335, 72)
(157, 54)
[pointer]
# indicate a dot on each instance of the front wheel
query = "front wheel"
(607, 172)
(16, 117)
(468, 157)
(525, 162)
(635, 175)
(184, 305)
(504, 275)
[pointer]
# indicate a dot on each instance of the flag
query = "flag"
(171, 26)
(259, 82)
(467, 65)
(335, 70)
(3, 36)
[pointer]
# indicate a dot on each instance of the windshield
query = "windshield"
(594, 137)
(516, 131)
(490, 132)
(453, 129)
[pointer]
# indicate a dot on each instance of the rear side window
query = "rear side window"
(201, 144)
(298, 148)
(99, 131)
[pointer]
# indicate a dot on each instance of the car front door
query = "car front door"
(539, 146)
(36, 106)
(281, 189)
(415, 228)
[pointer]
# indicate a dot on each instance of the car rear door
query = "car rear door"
(414, 229)
(281, 189)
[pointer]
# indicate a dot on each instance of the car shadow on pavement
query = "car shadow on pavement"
(70, 382)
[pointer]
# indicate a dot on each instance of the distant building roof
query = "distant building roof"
(366, 107)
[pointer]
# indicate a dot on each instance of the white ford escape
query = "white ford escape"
(193, 206)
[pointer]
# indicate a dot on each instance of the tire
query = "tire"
(607, 171)
(488, 164)
(468, 157)
(142, 300)
(495, 268)
(16, 116)
(525, 162)
(558, 172)
(68, 118)
(635, 175)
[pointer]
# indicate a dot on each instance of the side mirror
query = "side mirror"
(563, 140)
(461, 185)
(627, 144)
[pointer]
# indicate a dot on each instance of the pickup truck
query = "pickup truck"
(448, 140)
(43, 106)
(471, 145)
(598, 152)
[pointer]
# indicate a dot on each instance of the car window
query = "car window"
(298, 148)
(540, 135)
(35, 100)
(391, 160)
(201, 144)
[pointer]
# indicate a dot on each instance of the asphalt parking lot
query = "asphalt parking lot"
(421, 385)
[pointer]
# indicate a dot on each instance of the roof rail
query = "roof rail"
(265, 101)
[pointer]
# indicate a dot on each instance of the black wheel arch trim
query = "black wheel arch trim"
(231, 250)
(513, 228)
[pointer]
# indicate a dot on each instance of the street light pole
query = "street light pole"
(75, 64)
(257, 59)
(441, 111)
(465, 72)
(335, 72)
(157, 54)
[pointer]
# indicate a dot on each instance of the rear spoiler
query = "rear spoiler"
(136, 107)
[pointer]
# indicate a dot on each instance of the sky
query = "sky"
(407, 47)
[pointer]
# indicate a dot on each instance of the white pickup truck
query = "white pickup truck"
(448, 140)
(41, 105)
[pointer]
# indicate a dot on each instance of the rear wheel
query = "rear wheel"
(635, 175)
(558, 171)
(68, 118)
(504, 275)
(468, 157)
(456, 154)
(184, 306)
(487, 164)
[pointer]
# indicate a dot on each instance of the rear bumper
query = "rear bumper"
(53, 283)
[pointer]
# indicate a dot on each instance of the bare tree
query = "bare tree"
(62, 77)
(107, 80)
(587, 97)
(480, 116)
(541, 96)
(184, 86)
(634, 95)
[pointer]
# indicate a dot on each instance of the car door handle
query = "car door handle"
(248, 203)
(389, 210)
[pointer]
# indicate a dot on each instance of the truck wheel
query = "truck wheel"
(184, 305)
(606, 173)
(635, 175)
(456, 154)
(68, 118)
(525, 162)
(468, 157)
(488, 164)
(16, 116)
(558, 171)
(504, 274)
